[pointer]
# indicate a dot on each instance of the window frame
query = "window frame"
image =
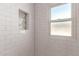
(73, 26)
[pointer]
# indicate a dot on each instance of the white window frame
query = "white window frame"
(73, 19)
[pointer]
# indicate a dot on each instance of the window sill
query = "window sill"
(60, 37)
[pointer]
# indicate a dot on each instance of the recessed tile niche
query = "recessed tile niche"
(23, 17)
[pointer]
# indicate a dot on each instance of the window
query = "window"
(61, 20)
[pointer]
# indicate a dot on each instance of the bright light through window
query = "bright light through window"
(61, 20)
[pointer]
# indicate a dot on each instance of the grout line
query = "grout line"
(34, 32)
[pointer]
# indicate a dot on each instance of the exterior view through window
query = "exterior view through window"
(61, 20)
